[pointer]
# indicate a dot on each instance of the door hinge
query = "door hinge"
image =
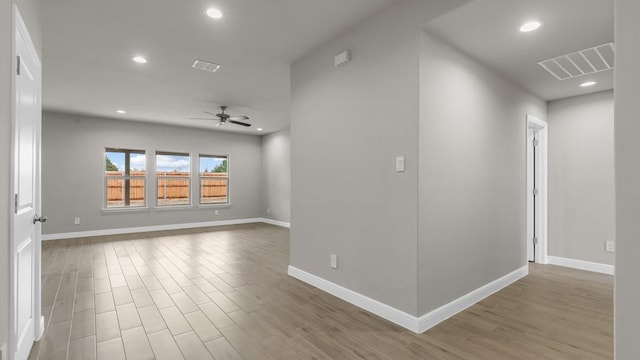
(18, 65)
(15, 200)
(534, 192)
(535, 240)
(535, 142)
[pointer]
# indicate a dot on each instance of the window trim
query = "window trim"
(226, 203)
(105, 177)
(159, 206)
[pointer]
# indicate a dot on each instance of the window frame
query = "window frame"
(158, 177)
(126, 178)
(227, 178)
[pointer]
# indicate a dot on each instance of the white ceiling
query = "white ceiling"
(488, 30)
(88, 46)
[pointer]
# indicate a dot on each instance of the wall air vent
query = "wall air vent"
(205, 65)
(580, 63)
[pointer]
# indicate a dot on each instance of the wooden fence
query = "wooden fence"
(170, 185)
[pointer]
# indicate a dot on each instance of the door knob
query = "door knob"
(41, 219)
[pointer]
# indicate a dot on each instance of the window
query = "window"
(173, 178)
(214, 179)
(124, 176)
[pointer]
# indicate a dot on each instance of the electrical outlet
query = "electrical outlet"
(268, 210)
(76, 221)
(216, 212)
(610, 246)
(334, 261)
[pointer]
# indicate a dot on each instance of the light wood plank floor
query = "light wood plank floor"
(223, 293)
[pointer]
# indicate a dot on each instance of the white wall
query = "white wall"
(472, 179)
(627, 173)
(348, 124)
(73, 171)
(276, 176)
(30, 10)
(581, 177)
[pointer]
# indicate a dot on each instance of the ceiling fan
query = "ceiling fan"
(224, 118)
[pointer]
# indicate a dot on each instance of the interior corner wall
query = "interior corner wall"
(472, 179)
(581, 177)
(627, 175)
(30, 10)
(73, 171)
(276, 175)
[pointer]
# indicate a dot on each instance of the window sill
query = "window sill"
(215, 206)
(124, 210)
(172, 207)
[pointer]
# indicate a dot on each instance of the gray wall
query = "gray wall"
(73, 171)
(30, 10)
(348, 124)
(581, 179)
(472, 178)
(276, 176)
(627, 173)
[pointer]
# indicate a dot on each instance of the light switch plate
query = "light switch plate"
(400, 164)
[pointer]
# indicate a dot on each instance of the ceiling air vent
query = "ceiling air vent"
(581, 63)
(205, 65)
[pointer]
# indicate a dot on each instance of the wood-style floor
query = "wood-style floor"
(223, 293)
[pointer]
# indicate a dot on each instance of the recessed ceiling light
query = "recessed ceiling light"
(214, 13)
(588, 83)
(530, 26)
(121, 111)
(139, 59)
(259, 129)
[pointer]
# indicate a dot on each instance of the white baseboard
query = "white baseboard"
(581, 265)
(399, 317)
(276, 222)
(434, 317)
(130, 230)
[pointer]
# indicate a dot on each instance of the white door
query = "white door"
(26, 325)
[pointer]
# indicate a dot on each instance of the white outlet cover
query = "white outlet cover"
(334, 261)
(610, 246)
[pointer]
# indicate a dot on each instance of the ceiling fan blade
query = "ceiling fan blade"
(239, 123)
(197, 118)
(239, 118)
(210, 113)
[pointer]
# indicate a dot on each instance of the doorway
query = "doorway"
(536, 190)
(25, 320)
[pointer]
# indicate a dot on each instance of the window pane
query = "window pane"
(213, 179)
(172, 162)
(116, 190)
(124, 178)
(213, 190)
(172, 172)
